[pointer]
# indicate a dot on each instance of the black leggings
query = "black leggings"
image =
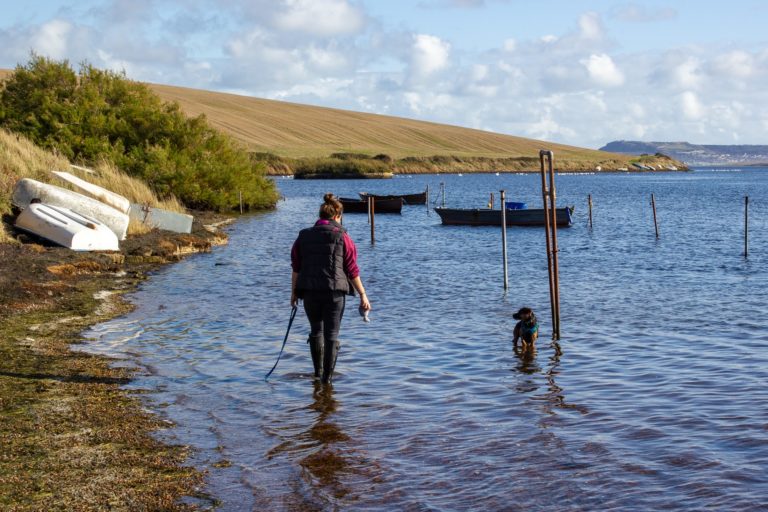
(324, 311)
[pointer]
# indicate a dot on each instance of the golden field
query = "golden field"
(296, 131)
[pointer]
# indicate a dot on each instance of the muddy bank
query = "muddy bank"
(72, 438)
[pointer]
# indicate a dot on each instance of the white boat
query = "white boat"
(66, 227)
(116, 201)
(27, 189)
(161, 219)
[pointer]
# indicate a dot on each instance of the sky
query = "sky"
(579, 72)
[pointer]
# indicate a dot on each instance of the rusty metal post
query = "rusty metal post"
(746, 226)
(550, 224)
(555, 250)
(504, 238)
(655, 222)
(589, 200)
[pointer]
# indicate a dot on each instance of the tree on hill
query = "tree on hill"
(94, 114)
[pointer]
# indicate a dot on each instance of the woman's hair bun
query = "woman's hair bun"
(328, 198)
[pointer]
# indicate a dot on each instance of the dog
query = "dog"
(527, 329)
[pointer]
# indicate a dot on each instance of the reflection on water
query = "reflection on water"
(653, 400)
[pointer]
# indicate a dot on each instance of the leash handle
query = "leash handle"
(290, 323)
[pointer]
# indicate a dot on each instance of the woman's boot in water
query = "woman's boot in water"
(316, 349)
(330, 352)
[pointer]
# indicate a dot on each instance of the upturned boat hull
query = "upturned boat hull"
(27, 189)
(67, 228)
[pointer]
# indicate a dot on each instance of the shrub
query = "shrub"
(350, 156)
(338, 167)
(96, 115)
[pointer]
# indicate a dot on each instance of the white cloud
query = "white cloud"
(429, 54)
(509, 45)
(691, 106)
(52, 38)
(603, 71)
(735, 64)
(590, 26)
(687, 75)
(320, 17)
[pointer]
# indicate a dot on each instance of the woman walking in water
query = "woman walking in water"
(324, 262)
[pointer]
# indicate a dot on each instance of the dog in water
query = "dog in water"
(526, 329)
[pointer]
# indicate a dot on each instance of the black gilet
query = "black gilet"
(322, 259)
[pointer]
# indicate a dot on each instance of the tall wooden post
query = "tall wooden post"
(371, 209)
(655, 222)
(589, 200)
(746, 226)
(504, 239)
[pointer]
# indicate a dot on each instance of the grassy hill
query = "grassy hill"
(290, 131)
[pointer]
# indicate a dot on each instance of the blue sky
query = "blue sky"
(575, 72)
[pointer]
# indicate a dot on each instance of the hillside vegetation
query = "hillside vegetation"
(285, 135)
(94, 115)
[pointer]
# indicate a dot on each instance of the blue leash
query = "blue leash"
(293, 315)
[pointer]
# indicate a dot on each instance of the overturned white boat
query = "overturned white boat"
(28, 189)
(66, 227)
(114, 200)
(161, 219)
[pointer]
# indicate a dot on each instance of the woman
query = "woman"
(324, 262)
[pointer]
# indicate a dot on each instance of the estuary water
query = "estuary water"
(657, 400)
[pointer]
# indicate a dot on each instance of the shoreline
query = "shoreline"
(73, 437)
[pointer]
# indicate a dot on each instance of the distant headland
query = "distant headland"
(695, 154)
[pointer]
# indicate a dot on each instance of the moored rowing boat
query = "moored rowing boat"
(488, 217)
(380, 205)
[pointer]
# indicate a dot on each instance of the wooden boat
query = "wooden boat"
(380, 205)
(420, 198)
(27, 189)
(116, 201)
(487, 217)
(66, 227)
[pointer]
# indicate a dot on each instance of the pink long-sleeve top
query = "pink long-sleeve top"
(350, 254)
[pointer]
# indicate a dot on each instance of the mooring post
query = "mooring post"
(746, 226)
(241, 202)
(490, 204)
(555, 250)
(503, 238)
(655, 222)
(427, 203)
(589, 200)
(442, 186)
(550, 224)
(372, 208)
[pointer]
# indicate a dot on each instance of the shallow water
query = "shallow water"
(657, 402)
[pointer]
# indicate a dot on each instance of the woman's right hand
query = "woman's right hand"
(365, 303)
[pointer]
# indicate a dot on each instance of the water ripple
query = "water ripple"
(654, 400)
